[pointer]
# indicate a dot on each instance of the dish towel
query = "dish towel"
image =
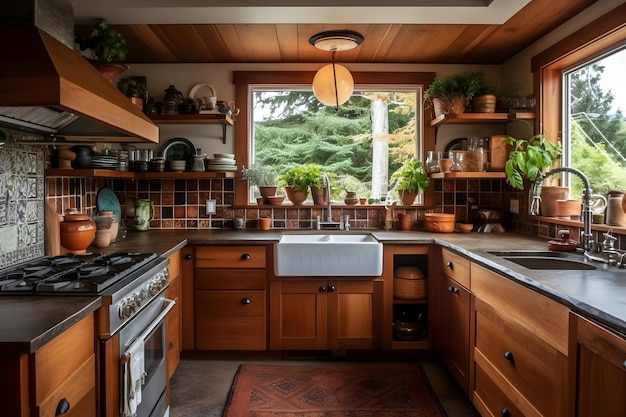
(134, 377)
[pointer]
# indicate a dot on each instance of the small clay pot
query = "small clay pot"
(103, 238)
(265, 223)
(77, 232)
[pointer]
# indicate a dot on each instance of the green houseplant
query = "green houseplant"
(264, 177)
(133, 89)
(297, 183)
(529, 158)
(106, 49)
(409, 180)
(451, 94)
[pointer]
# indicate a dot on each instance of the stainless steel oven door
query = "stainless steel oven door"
(149, 327)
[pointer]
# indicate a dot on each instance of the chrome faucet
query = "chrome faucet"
(329, 215)
(587, 237)
(343, 224)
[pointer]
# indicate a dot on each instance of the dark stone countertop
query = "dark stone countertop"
(599, 294)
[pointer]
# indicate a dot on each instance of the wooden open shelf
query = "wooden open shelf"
(109, 173)
(481, 118)
(194, 119)
(468, 175)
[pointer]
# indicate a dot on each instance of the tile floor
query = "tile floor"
(200, 387)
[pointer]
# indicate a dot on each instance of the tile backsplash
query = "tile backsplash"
(22, 198)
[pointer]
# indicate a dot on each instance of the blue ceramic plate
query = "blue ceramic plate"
(107, 201)
(178, 149)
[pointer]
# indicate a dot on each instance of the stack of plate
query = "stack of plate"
(99, 161)
(223, 162)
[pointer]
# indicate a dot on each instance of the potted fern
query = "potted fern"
(529, 159)
(106, 49)
(409, 180)
(451, 94)
(264, 177)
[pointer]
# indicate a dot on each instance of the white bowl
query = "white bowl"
(224, 155)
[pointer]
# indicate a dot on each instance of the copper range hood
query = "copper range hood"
(49, 88)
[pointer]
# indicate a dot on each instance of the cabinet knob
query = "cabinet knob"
(188, 257)
(453, 290)
(505, 412)
(322, 289)
(450, 265)
(331, 288)
(62, 407)
(246, 300)
(246, 257)
(170, 346)
(508, 355)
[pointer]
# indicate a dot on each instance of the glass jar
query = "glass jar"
(476, 155)
(198, 163)
(432, 161)
(615, 215)
(457, 157)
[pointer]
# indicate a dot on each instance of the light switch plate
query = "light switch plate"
(211, 207)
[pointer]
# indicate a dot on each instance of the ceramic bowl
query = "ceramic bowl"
(464, 227)
(275, 200)
(439, 222)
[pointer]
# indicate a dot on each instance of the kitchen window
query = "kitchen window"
(558, 73)
(398, 92)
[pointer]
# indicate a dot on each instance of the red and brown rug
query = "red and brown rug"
(342, 390)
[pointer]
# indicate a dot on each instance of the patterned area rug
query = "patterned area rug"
(354, 390)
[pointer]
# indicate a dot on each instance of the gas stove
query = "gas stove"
(90, 273)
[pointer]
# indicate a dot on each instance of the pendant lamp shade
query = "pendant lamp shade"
(324, 85)
(333, 84)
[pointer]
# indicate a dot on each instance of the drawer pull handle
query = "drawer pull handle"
(453, 290)
(508, 355)
(188, 257)
(450, 265)
(246, 300)
(331, 288)
(63, 407)
(505, 412)
(624, 364)
(322, 289)
(246, 257)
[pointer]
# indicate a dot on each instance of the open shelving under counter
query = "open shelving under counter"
(191, 119)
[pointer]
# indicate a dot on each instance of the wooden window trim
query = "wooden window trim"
(243, 80)
(596, 38)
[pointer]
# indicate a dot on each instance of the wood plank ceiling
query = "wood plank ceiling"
(384, 43)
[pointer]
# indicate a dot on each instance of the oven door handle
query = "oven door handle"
(155, 323)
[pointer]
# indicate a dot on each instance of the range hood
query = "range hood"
(48, 87)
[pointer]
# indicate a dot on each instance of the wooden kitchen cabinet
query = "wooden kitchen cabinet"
(229, 297)
(324, 314)
(520, 347)
(173, 336)
(62, 372)
(454, 299)
(598, 361)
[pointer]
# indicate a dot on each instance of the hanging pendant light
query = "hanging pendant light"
(333, 84)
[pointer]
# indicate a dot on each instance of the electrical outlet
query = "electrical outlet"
(211, 207)
(514, 206)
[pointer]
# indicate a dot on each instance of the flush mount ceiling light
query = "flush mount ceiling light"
(333, 84)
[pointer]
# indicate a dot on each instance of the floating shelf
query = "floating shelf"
(109, 173)
(468, 175)
(481, 118)
(194, 119)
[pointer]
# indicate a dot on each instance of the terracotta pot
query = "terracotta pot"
(442, 107)
(568, 209)
(549, 195)
(405, 221)
(265, 223)
(319, 195)
(77, 232)
(296, 196)
(406, 197)
(103, 238)
(108, 70)
(439, 222)
(485, 103)
(267, 191)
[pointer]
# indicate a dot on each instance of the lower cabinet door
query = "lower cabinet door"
(230, 320)
(455, 330)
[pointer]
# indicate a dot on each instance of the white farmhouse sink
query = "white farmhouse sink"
(328, 255)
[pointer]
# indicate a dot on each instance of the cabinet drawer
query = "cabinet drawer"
(537, 370)
(57, 361)
(456, 267)
(489, 399)
(540, 315)
(230, 257)
(225, 321)
(229, 279)
(78, 390)
(173, 340)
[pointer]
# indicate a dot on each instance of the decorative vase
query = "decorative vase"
(144, 212)
(296, 196)
(77, 232)
(103, 238)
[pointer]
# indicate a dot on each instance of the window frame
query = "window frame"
(245, 80)
(592, 41)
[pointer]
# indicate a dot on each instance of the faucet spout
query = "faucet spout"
(587, 241)
(329, 215)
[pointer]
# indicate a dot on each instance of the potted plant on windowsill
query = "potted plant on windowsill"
(106, 49)
(264, 177)
(409, 180)
(316, 183)
(529, 159)
(297, 182)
